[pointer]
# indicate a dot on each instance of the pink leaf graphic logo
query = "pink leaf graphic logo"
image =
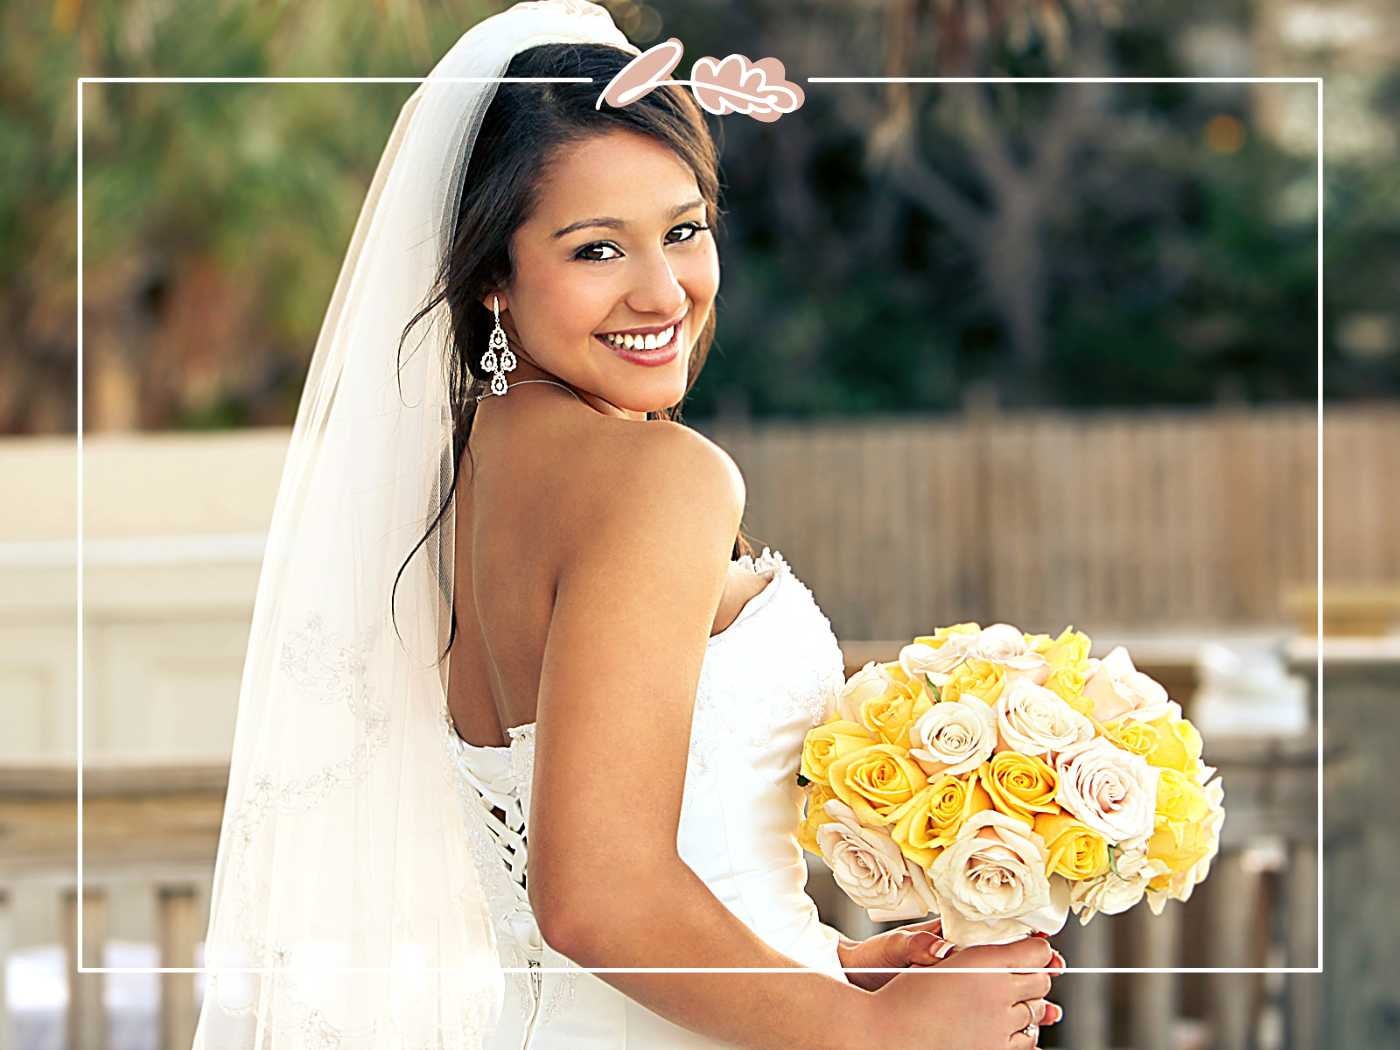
(734, 85)
(643, 74)
(737, 85)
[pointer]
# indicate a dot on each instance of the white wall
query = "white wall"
(173, 533)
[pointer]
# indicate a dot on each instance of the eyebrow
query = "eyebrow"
(619, 224)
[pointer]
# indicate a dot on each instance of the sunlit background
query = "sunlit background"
(1044, 353)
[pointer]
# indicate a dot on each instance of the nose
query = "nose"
(657, 291)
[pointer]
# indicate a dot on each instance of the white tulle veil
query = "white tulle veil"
(345, 909)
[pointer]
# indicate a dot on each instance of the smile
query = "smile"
(650, 341)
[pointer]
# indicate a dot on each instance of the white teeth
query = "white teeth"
(651, 341)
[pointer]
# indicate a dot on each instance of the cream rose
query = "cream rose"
(1004, 644)
(991, 883)
(1034, 721)
(1109, 790)
(1117, 690)
(953, 737)
(870, 682)
(868, 865)
(1118, 889)
(921, 660)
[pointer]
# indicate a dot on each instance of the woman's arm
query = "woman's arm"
(639, 583)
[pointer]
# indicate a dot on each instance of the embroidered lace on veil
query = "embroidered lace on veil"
(346, 910)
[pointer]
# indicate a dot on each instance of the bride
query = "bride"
(600, 686)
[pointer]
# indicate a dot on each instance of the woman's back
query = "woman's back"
(537, 466)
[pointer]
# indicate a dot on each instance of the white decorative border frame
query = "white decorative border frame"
(1316, 81)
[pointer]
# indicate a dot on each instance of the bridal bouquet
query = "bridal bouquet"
(1000, 779)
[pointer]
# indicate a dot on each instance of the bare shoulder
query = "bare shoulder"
(630, 471)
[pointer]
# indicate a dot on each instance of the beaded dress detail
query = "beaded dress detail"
(766, 679)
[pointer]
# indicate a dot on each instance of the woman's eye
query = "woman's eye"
(694, 227)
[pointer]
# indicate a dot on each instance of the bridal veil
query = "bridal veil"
(345, 909)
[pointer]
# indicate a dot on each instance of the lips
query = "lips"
(645, 330)
(637, 355)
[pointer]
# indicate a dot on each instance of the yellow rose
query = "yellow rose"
(1178, 746)
(1180, 846)
(1068, 657)
(1180, 799)
(826, 743)
(1071, 849)
(817, 795)
(926, 824)
(1181, 836)
(1140, 738)
(875, 780)
(1187, 847)
(889, 715)
(942, 634)
(976, 678)
(1021, 785)
(1070, 648)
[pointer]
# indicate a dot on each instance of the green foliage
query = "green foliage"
(216, 217)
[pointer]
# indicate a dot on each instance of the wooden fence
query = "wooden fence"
(1150, 520)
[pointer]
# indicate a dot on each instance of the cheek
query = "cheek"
(579, 305)
(701, 274)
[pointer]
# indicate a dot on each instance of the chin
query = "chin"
(651, 393)
(654, 400)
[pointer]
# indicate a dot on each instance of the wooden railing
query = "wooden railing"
(152, 824)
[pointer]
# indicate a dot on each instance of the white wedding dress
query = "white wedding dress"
(766, 679)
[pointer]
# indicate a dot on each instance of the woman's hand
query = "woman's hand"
(917, 944)
(967, 1011)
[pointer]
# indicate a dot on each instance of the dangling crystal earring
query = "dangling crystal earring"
(498, 342)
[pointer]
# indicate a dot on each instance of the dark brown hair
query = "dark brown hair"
(522, 132)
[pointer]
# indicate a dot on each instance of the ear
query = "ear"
(487, 298)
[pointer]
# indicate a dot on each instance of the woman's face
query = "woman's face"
(617, 243)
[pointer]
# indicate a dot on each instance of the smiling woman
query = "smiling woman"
(654, 689)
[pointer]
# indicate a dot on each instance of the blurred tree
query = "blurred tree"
(889, 248)
(215, 215)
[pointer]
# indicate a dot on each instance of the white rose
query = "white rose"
(954, 737)
(935, 665)
(1111, 791)
(868, 865)
(991, 883)
(1183, 882)
(1117, 690)
(1117, 889)
(1001, 642)
(1004, 644)
(1035, 721)
(869, 682)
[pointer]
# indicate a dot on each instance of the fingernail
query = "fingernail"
(1059, 960)
(945, 950)
(1056, 1016)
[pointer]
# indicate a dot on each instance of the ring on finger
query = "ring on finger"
(1031, 1029)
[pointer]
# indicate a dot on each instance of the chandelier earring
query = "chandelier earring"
(497, 342)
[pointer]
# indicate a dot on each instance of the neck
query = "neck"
(528, 370)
